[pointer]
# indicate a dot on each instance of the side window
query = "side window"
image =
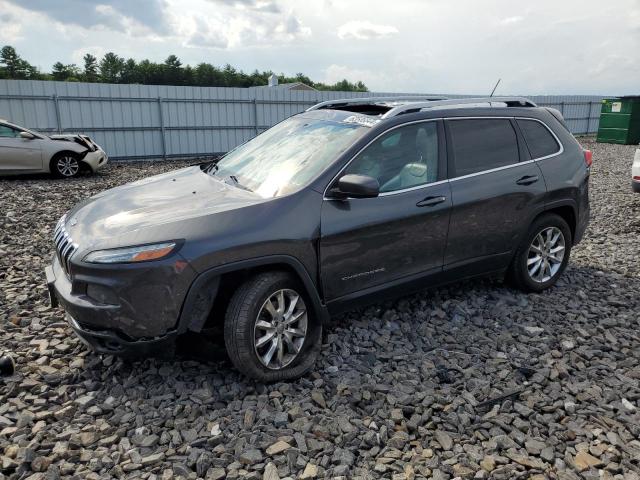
(482, 144)
(392, 140)
(402, 158)
(8, 132)
(539, 139)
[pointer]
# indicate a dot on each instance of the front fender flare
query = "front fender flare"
(204, 289)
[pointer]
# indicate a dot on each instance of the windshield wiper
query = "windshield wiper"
(213, 168)
(238, 184)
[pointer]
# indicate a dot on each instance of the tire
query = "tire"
(65, 165)
(245, 322)
(522, 272)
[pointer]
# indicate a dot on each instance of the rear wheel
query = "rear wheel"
(65, 165)
(543, 254)
(269, 331)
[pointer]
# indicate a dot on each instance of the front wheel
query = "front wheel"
(65, 165)
(543, 255)
(269, 331)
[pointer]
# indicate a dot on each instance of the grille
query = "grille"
(65, 248)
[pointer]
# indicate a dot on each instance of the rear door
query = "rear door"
(17, 153)
(496, 190)
(369, 242)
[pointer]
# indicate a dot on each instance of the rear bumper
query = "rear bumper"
(635, 186)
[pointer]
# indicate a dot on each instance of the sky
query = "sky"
(536, 47)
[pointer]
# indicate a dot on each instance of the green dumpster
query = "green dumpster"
(620, 120)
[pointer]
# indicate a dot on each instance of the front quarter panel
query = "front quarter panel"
(50, 148)
(288, 225)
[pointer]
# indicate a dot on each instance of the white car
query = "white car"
(635, 172)
(25, 151)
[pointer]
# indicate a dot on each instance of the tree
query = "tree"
(115, 69)
(172, 71)
(14, 66)
(111, 67)
(90, 68)
(11, 61)
(65, 73)
(149, 73)
(130, 72)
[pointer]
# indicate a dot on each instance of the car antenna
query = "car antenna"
(494, 88)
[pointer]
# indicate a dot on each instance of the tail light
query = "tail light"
(588, 157)
(636, 178)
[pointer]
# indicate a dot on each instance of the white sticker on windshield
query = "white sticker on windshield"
(361, 120)
(616, 107)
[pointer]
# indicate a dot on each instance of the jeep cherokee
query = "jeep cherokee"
(345, 204)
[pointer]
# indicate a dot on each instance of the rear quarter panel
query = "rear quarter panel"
(567, 176)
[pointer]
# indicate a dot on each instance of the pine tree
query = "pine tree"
(111, 68)
(90, 68)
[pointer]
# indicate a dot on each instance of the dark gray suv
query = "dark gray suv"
(345, 204)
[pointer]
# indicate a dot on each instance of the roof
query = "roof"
(386, 107)
(289, 86)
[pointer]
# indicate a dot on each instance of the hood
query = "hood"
(81, 140)
(153, 209)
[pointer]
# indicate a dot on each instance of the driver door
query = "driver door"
(18, 154)
(369, 242)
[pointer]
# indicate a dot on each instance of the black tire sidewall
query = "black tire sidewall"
(241, 323)
(521, 271)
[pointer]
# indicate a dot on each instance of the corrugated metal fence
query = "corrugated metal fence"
(150, 121)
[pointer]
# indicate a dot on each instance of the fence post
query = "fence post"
(162, 131)
(589, 117)
(255, 115)
(56, 107)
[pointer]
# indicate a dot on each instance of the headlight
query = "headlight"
(142, 253)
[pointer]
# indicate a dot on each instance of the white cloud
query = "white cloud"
(511, 20)
(229, 24)
(10, 27)
(334, 73)
(424, 46)
(363, 30)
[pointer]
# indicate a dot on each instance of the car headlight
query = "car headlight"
(143, 253)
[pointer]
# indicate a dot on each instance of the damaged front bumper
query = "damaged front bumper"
(119, 325)
(96, 160)
(113, 343)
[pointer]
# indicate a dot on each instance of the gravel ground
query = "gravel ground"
(403, 390)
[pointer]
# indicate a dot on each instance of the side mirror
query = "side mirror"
(356, 186)
(27, 135)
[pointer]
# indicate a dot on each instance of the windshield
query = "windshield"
(287, 156)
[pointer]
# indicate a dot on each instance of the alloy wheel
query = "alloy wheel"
(546, 254)
(67, 166)
(280, 329)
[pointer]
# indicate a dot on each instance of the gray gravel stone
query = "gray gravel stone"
(406, 398)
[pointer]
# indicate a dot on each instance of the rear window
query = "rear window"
(539, 139)
(482, 144)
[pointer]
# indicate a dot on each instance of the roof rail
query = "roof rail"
(343, 102)
(488, 101)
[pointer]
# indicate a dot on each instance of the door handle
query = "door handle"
(527, 180)
(431, 201)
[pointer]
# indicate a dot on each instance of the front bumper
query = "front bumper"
(112, 343)
(104, 341)
(96, 160)
(143, 314)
